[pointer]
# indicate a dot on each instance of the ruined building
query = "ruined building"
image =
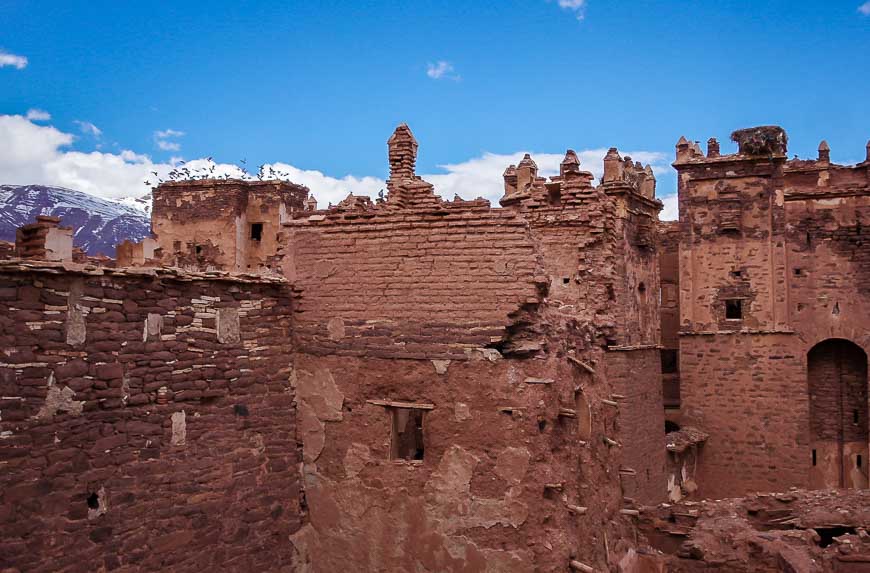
(415, 384)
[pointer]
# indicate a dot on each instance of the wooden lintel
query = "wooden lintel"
(391, 404)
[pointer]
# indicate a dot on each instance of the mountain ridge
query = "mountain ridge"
(99, 224)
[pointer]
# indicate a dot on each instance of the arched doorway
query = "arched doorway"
(837, 377)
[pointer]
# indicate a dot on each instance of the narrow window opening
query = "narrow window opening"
(641, 288)
(93, 501)
(566, 280)
(798, 272)
(199, 249)
(836, 310)
(256, 231)
(814, 458)
(670, 360)
(854, 416)
(671, 427)
(407, 439)
(737, 274)
(734, 309)
(858, 461)
(542, 425)
(554, 197)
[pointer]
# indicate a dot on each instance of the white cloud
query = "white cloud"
(441, 70)
(88, 128)
(168, 145)
(34, 114)
(40, 154)
(578, 7)
(864, 8)
(17, 62)
(162, 137)
(671, 211)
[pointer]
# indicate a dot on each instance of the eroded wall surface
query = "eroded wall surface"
(146, 421)
(521, 335)
(208, 223)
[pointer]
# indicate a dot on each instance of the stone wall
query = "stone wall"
(146, 421)
(786, 240)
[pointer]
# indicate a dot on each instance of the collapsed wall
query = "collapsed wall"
(472, 393)
(146, 420)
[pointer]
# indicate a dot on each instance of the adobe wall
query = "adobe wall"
(206, 224)
(146, 421)
(786, 238)
(465, 311)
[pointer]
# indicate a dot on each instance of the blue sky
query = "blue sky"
(320, 86)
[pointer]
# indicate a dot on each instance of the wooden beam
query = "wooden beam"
(410, 405)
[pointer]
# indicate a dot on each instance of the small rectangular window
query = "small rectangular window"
(858, 461)
(814, 458)
(256, 231)
(734, 309)
(407, 435)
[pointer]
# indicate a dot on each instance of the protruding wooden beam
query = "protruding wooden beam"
(580, 364)
(610, 403)
(632, 512)
(579, 510)
(567, 412)
(577, 566)
(609, 442)
(531, 380)
(391, 404)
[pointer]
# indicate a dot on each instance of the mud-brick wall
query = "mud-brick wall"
(636, 380)
(501, 467)
(749, 391)
(411, 284)
(97, 474)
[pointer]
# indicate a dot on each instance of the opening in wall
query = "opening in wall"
(256, 231)
(407, 435)
(734, 309)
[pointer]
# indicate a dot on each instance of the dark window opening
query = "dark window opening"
(854, 416)
(566, 280)
(814, 458)
(798, 272)
(641, 288)
(542, 425)
(670, 360)
(671, 427)
(554, 197)
(199, 249)
(256, 231)
(836, 310)
(737, 274)
(93, 501)
(734, 309)
(858, 461)
(407, 440)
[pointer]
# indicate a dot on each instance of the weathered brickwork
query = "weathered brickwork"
(230, 225)
(527, 335)
(773, 262)
(146, 421)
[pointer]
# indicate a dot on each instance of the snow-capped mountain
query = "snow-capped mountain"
(99, 224)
